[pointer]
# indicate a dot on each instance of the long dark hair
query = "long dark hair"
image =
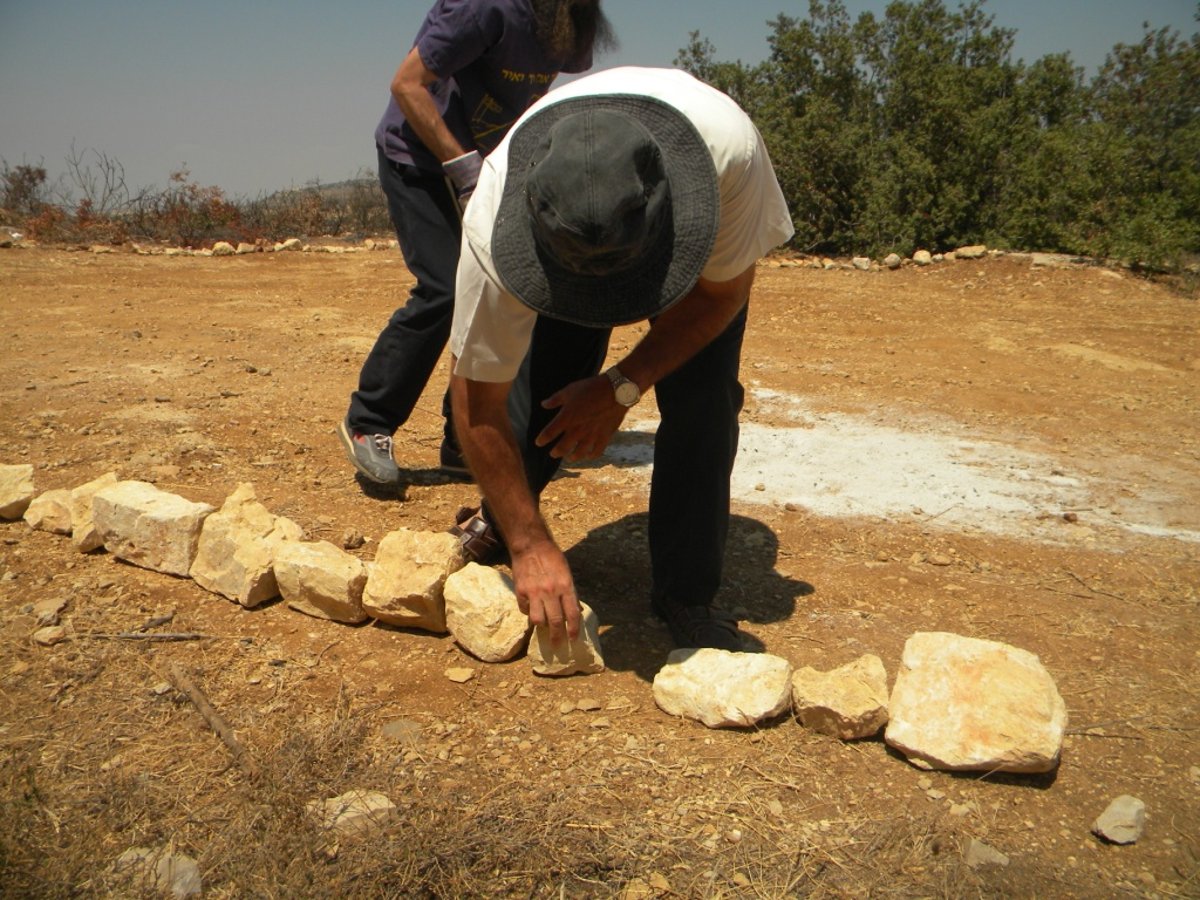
(567, 29)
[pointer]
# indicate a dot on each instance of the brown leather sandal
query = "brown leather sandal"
(480, 540)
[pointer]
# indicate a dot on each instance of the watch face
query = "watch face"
(627, 393)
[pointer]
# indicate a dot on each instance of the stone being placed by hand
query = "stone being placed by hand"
(578, 657)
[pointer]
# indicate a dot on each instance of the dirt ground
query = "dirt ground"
(1074, 391)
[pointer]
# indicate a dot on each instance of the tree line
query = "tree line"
(917, 129)
(912, 130)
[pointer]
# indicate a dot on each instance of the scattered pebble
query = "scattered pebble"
(48, 611)
(659, 882)
(980, 854)
(1123, 822)
(460, 675)
(49, 636)
(402, 730)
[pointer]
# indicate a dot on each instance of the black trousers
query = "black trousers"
(694, 448)
(426, 218)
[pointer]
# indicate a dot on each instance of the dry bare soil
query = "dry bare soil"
(1050, 414)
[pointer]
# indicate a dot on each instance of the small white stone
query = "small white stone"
(354, 813)
(460, 675)
(50, 635)
(1123, 822)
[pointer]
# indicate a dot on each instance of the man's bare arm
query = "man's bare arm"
(545, 589)
(410, 89)
(687, 328)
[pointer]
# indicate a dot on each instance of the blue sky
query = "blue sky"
(261, 95)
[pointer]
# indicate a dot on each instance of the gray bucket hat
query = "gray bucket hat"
(609, 211)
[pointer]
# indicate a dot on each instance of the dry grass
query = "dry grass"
(102, 765)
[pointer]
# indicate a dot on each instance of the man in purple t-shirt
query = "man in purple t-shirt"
(475, 67)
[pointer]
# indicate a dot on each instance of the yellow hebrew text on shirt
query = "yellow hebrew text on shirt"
(531, 77)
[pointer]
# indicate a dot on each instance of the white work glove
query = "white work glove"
(463, 172)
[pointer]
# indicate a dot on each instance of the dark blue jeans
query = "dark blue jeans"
(427, 223)
(694, 448)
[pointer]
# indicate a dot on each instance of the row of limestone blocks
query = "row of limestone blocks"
(1009, 718)
(246, 553)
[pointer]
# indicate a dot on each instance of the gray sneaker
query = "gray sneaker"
(371, 454)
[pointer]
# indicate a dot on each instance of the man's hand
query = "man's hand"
(588, 417)
(545, 590)
(463, 172)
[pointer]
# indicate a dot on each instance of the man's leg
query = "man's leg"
(694, 452)
(398, 367)
(559, 354)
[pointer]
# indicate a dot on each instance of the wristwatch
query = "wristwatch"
(626, 391)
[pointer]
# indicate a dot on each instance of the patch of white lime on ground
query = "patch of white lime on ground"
(840, 465)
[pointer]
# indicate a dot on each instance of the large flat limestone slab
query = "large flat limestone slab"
(149, 527)
(965, 704)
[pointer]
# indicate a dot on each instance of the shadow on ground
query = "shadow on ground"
(611, 566)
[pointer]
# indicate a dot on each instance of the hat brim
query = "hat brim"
(652, 284)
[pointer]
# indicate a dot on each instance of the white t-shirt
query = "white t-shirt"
(492, 328)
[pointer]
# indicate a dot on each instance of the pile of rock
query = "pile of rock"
(247, 554)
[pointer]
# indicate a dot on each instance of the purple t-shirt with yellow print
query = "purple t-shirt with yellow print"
(490, 69)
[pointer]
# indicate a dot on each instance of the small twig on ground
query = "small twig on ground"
(214, 719)
(1097, 590)
(942, 513)
(157, 621)
(139, 636)
(1088, 729)
(1107, 737)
